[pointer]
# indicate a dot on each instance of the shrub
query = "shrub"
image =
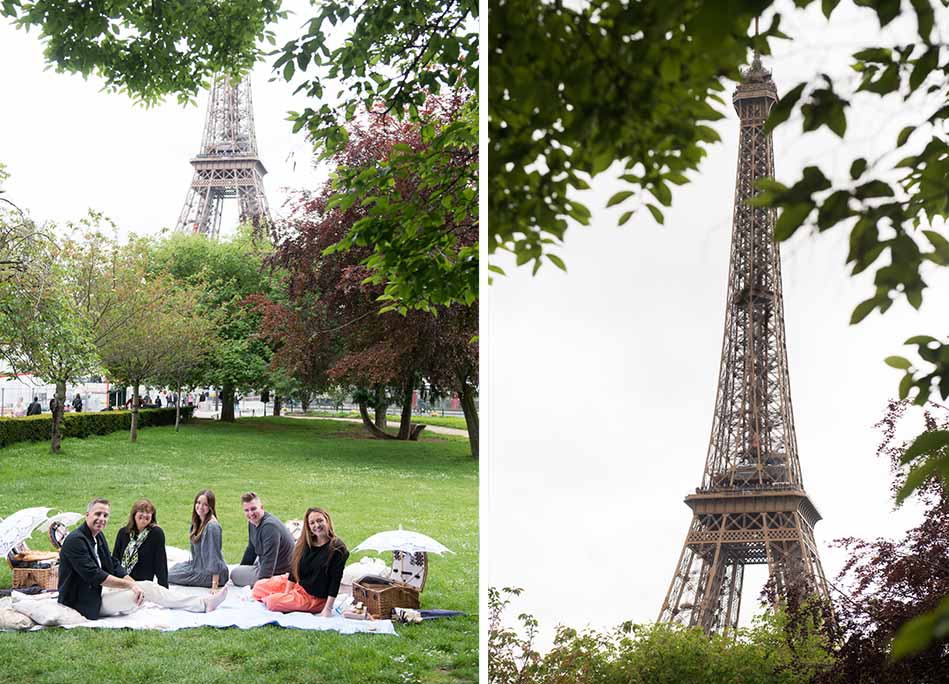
(39, 428)
(773, 651)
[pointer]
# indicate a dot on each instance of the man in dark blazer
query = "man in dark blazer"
(85, 565)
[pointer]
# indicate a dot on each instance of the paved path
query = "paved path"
(434, 428)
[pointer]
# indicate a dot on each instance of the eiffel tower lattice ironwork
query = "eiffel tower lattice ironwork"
(751, 507)
(227, 165)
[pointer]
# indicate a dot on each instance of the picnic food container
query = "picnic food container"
(381, 596)
(30, 568)
(45, 578)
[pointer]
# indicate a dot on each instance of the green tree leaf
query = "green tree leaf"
(858, 167)
(897, 362)
(791, 219)
(926, 443)
(828, 6)
(863, 309)
(557, 261)
(918, 633)
(782, 110)
(619, 197)
(656, 213)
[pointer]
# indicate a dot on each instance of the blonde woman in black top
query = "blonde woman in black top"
(319, 558)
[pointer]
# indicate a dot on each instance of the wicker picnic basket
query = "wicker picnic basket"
(46, 578)
(381, 596)
(22, 562)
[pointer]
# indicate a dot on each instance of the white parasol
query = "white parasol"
(402, 540)
(67, 519)
(19, 526)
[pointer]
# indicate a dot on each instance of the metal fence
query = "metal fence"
(17, 392)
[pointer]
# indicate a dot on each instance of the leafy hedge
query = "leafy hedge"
(38, 428)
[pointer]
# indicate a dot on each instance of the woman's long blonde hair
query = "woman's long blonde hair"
(308, 540)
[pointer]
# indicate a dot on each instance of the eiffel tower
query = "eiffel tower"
(227, 165)
(751, 507)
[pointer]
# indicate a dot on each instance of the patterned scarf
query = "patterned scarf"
(130, 555)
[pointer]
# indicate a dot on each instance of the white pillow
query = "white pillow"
(366, 566)
(11, 619)
(48, 612)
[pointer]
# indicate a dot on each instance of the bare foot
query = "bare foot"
(214, 600)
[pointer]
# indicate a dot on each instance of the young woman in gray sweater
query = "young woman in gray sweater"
(207, 567)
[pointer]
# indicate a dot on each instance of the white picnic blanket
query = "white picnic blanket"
(239, 610)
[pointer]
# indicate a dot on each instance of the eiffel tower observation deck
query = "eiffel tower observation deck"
(751, 507)
(227, 166)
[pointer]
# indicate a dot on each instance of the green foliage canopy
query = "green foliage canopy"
(896, 213)
(771, 652)
(419, 191)
(396, 56)
(64, 306)
(148, 49)
(385, 57)
(570, 91)
(895, 207)
(225, 272)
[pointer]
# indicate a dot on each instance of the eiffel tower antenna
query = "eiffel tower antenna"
(751, 507)
(227, 166)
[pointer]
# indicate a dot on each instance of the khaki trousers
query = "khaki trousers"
(122, 601)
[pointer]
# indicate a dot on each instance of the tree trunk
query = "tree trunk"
(277, 406)
(405, 424)
(178, 409)
(369, 425)
(135, 402)
(381, 407)
(305, 402)
(56, 437)
(471, 415)
(227, 402)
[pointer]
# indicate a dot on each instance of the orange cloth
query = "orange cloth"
(281, 595)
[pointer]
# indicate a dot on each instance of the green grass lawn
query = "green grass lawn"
(457, 422)
(367, 485)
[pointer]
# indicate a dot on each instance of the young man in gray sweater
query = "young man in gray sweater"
(269, 545)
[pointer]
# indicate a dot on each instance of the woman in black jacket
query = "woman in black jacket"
(140, 545)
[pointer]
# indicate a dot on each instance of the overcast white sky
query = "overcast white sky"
(70, 147)
(601, 381)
